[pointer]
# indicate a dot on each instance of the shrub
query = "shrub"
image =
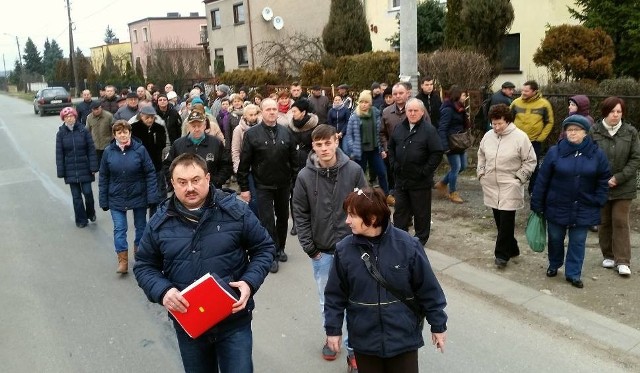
(248, 77)
(361, 70)
(470, 70)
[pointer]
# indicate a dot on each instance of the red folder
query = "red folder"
(210, 301)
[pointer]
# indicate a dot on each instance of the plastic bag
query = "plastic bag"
(536, 232)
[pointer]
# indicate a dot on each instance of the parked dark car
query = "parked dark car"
(51, 100)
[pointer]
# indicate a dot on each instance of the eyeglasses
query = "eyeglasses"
(361, 192)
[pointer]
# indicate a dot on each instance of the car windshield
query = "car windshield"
(54, 92)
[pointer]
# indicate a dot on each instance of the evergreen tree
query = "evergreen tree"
(619, 19)
(454, 33)
(109, 36)
(486, 24)
(16, 74)
(347, 32)
(139, 74)
(32, 58)
(430, 27)
(50, 56)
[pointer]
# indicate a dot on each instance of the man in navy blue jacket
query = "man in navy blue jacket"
(202, 230)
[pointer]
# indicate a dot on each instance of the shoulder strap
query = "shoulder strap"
(411, 303)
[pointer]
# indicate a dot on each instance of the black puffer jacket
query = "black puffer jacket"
(301, 132)
(173, 122)
(271, 159)
(211, 149)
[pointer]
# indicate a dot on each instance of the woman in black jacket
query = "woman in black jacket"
(77, 162)
(384, 331)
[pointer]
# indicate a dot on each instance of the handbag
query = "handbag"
(536, 232)
(459, 142)
(409, 302)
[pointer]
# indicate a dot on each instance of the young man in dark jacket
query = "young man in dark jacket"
(321, 187)
(269, 153)
(431, 99)
(172, 120)
(153, 136)
(209, 147)
(171, 257)
(415, 152)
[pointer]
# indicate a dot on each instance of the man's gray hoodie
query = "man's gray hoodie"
(317, 202)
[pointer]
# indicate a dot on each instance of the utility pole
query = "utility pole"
(409, 44)
(6, 80)
(72, 61)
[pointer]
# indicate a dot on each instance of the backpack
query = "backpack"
(481, 120)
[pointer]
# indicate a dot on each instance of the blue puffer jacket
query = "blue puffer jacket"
(352, 141)
(127, 178)
(339, 118)
(572, 185)
(378, 323)
(228, 240)
(76, 158)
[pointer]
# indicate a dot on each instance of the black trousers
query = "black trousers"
(403, 363)
(414, 203)
(273, 210)
(506, 243)
(537, 148)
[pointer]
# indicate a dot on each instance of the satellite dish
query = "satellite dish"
(278, 23)
(267, 13)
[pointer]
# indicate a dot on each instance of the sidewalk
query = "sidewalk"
(599, 328)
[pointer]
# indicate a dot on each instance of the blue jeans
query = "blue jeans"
(321, 269)
(228, 351)
(83, 210)
(120, 226)
(575, 248)
(162, 192)
(374, 159)
(457, 164)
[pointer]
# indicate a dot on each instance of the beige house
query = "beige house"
(120, 53)
(526, 34)
(236, 28)
(171, 33)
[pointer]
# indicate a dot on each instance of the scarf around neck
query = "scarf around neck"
(612, 129)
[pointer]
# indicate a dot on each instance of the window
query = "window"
(135, 36)
(218, 61)
(243, 56)
(394, 4)
(215, 18)
(238, 13)
(511, 53)
(145, 35)
(203, 34)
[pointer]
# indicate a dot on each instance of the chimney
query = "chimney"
(194, 14)
(173, 15)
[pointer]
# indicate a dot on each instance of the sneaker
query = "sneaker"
(624, 270)
(274, 266)
(501, 263)
(92, 218)
(327, 353)
(352, 367)
(81, 225)
(608, 263)
(294, 231)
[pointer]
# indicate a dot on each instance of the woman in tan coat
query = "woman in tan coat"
(505, 162)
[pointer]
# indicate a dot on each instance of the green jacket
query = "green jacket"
(623, 153)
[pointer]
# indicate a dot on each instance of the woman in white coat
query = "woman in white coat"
(505, 162)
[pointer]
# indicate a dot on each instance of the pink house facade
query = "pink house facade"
(167, 33)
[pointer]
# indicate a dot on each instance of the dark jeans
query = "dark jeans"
(82, 209)
(537, 148)
(276, 201)
(99, 153)
(253, 202)
(575, 248)
(374, 159)
(506, 243)
(226, 352)
(391, 180)
(404, 363)
(414, 203)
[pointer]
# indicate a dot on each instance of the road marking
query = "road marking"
(16, 176)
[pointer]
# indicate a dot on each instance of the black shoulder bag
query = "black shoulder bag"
(411, 303)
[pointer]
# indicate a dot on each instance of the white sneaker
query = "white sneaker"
(624, 270)
(608, 263)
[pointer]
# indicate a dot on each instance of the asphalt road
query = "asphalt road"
(64, 309)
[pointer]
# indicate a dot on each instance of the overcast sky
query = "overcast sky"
(40, 19)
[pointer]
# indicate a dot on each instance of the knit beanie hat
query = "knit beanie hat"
(577, 120)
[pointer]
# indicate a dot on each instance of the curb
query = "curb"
(591, 324)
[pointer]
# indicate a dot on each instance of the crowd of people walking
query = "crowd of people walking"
(336, 166)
